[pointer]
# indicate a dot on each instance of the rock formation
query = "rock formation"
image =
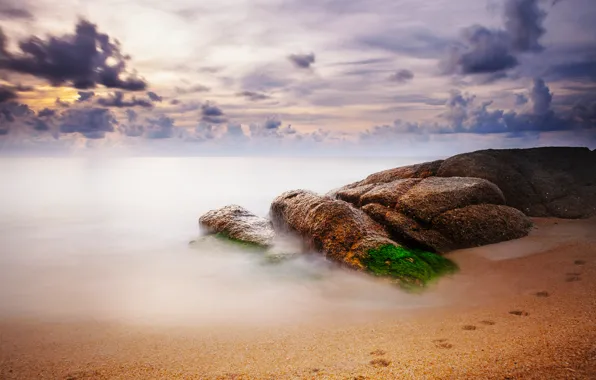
(439, 214)
(237, 223)
(558, 182)
(348, 236)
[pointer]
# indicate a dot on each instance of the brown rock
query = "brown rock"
(388, 194)
(433, 196)
(342, 232)
(478, 225)
(554, 181)
(407, 231)
(237, 223)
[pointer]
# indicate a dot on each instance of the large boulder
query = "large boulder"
(236, 223)
(440, 214)
(557, 182)
(347, 235)
(554, 181)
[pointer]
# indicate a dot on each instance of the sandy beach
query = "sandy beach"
(523, 309)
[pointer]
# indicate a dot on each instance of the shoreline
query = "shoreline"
(473, 336)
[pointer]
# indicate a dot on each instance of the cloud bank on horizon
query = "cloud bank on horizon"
(296, 76)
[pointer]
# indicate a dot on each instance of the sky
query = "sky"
(235, 77)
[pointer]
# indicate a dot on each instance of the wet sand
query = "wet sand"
(524, 309)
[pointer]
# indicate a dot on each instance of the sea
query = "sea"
(107, 239)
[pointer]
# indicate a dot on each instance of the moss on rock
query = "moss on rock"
(410, 267)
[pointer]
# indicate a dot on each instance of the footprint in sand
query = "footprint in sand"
(520, 313)
(380, 363)
(469, 327)
(378, 353)
(541, 294)
(488, 323)
(579, 262)
(442, 343)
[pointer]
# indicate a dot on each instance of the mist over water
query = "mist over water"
(107, 239)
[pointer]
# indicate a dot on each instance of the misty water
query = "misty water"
(107, 239)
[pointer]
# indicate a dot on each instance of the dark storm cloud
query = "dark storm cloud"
(402, 76)
(154, 97)
(83, 60)
(192, 90)
(117, 100)
(302, 61)
(12, 10)
(93, 123)
(212, 114)
(85, 95)
(486, 51)
(253, 96)
(7, 93)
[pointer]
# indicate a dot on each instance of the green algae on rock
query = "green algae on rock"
(410, 267)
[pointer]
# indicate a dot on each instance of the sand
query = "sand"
(524, 309)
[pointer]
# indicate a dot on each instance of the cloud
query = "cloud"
(85, 95)
(161, 127)
(581, 70)
(192, 89)
(212, 114)
(521, 99)
(7, 93)
(93, 123)
(486, 51)
(464, 114)
(61, 103)
(117, 100)
(420, 43)
(83, 60)
(302, 61)
(131, 128)
(523, 23)
(253, 96)
(46, 112)
(402, 76)
(541, 97)
(10, 10)
(481, 51)
(154, 97)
